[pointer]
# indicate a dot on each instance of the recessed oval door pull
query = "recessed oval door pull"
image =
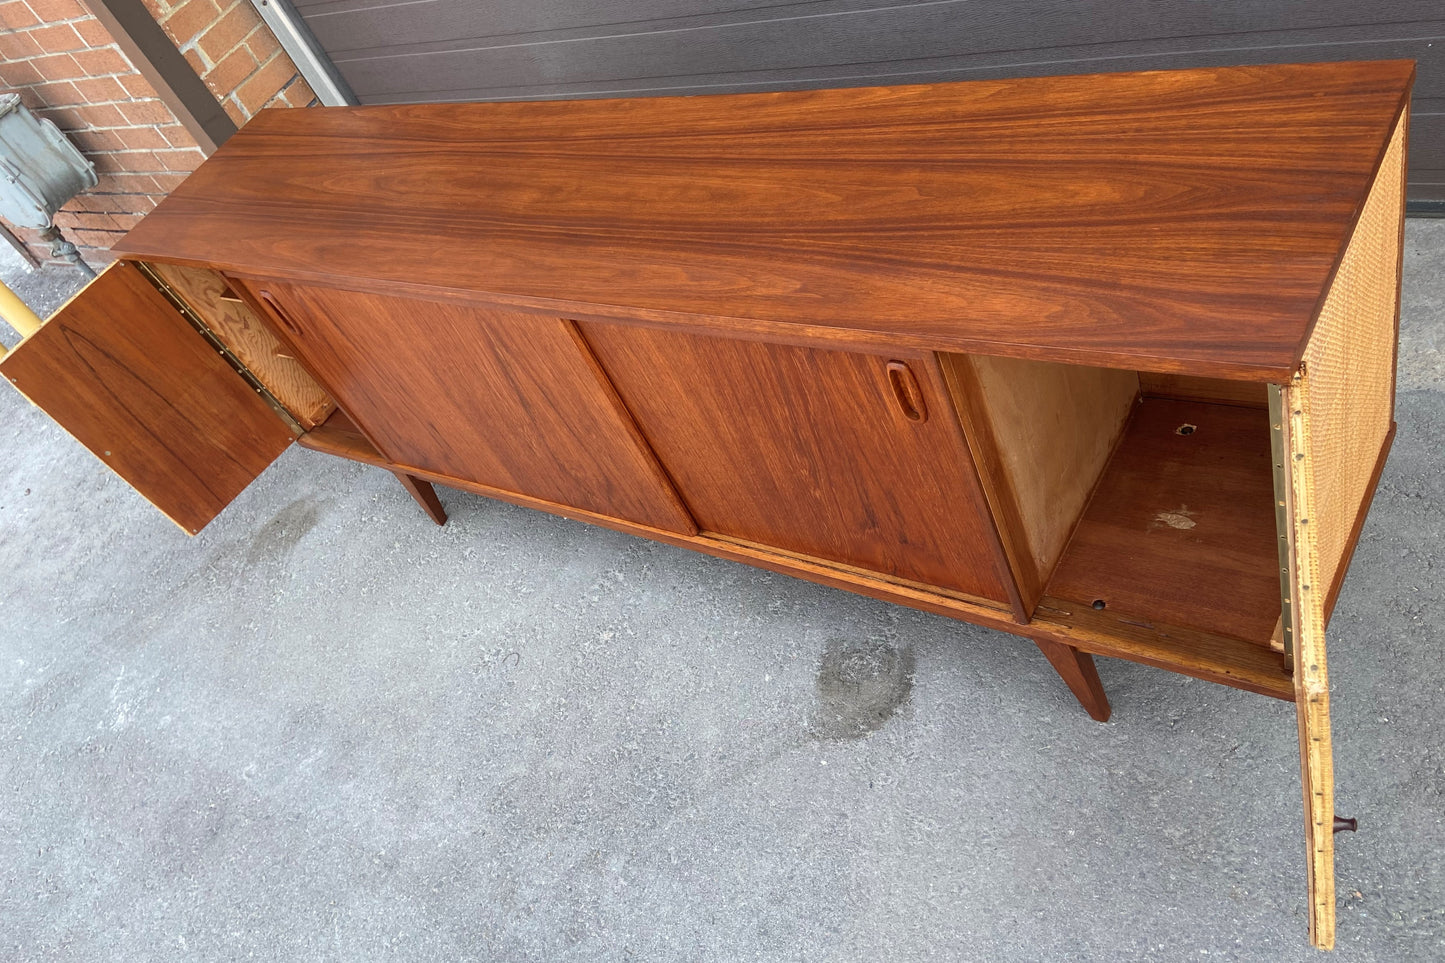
(279, 314)
(906, 391)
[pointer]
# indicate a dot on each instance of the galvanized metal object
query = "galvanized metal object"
(41, 169)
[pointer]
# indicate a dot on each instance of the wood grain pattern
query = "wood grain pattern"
(339, 436)
(1079, 673)
(1202, 655)
(1307, 597)
(1041, 434)
(458, 50)
(812, 452)
(131, 380)
(424, 495)
(1164, 221)
(509, 400)
(248, 338)
(1214, 390)
(1182, 527)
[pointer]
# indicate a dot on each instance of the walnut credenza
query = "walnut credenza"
(1103, 361)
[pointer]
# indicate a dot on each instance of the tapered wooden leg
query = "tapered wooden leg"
(1078, 672)
(425, 496)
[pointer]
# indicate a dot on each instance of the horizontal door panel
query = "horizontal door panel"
(498, 397)
(849, 457)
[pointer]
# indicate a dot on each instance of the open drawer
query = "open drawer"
(171, 382)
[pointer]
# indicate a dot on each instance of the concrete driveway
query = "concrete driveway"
(325, 729)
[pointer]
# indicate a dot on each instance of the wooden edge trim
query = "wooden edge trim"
(1015, 568)
(971, 410)
(1311, 673)
(1202, 655)
(1359, 526)
(747, 329)
(687, 522)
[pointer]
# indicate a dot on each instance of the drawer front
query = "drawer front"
(849, 457)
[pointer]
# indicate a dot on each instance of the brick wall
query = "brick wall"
(67, 68)
(235, 53)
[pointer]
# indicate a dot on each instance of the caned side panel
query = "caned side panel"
(1349, 366)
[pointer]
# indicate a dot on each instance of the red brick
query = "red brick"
(187, 20)
(62, 94)
(19, 73)
(57, 38)
(91, 141)
(125, 221)
(198, 63)
(18, 46)
(89, 204)
(147, 112)
(157, 8)
(53, 11)
(126, 160)
(299, 93)
(84, 115)
(143, 138)
(122, 204)
(93, 32)
(105, 60)
(222, 36)
(177, 135)
(181, 161)
(264, 83)
(17, 16)
(129, 183)
(58, 67)
(100, 90)
(99, 260)
(91, 201)
(66, 118)
(227, 75)
(233, 110)
(262, 43)
(101, 239)
(165, 183)
(86, 220)
(138, 87)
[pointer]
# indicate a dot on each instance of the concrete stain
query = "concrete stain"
(861, 683)
(283, 531)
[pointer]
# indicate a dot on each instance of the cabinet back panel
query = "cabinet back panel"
(813, 452)
(505, 399)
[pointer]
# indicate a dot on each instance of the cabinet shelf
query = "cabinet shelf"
(1181, 528)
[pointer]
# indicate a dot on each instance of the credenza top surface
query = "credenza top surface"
(1166, 220)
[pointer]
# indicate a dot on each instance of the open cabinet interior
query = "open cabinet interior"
(1136, 505)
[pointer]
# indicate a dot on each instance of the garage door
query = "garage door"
(436, 50)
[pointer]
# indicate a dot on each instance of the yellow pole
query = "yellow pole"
(17, 314)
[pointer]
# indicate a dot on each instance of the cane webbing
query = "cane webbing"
(1349, 366)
